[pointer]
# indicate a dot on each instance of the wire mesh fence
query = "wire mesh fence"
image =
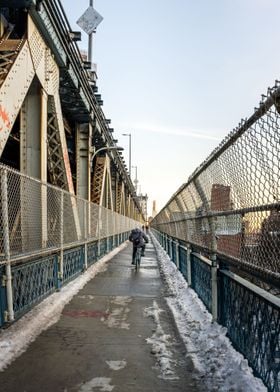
(231, 204)
(36, 217)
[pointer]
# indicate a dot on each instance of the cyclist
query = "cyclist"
(138, 239)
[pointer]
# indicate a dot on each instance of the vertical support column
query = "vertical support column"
(213, 250)
(189, 265)
(177, 255)
(189, 252)
(114, 215)
(165, 241)
(214, 281)
(85, 205)
(83, 160)
(44, 199)
(5, 219)
(99, 230)
(30, 137)
(170, 247)
(30, 164)
(83, 169)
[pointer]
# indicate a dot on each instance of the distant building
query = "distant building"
(269, 244)
(143, 199)
(228, 228)
(220, 198)
(154, 211)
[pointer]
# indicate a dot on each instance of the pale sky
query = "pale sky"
(179, 75)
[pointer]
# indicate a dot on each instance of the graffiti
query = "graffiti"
(4, 119)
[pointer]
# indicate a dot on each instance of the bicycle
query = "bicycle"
(137, 258)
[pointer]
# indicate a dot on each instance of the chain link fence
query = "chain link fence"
(37, 218)
(230, 206)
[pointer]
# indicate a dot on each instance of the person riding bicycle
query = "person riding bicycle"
(138, 239)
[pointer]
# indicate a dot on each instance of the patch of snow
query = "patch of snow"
(116, 365)
(121, 300)
(102, 383)
(220, 366)
(15, 340)
(117, 318)
(160, 345)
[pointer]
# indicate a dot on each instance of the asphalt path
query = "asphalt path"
(117, 334)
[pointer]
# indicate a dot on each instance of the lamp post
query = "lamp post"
(129, 164)
(103, 149)
(99, 212)
(136, 179)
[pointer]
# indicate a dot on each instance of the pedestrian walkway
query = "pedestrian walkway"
(117, 334)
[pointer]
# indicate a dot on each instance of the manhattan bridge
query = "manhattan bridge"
(67, 199)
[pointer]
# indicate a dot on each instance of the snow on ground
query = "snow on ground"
(15, 340)
(216, 362)
(161, 344)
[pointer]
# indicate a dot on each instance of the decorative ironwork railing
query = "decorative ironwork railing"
(32, 282)
(252, 319)
(250, 314)
(201, 279)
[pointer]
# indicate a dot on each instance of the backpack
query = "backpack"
(135, 237)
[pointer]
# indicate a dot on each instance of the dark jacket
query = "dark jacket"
(142, 238)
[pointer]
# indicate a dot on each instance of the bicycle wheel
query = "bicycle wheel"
(137, 259)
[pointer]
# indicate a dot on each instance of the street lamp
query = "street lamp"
(129, 164)
(136, 179)
(103, 149)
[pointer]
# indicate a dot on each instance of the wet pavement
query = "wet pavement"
(117, 334)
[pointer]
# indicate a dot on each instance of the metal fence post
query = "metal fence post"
(213, 249)
(214, 281)
(6, 238)
(170, 247)
(189, 265)
(98, 231)
(114, 231)
(177, 255)
(86, 234)
(60, 273)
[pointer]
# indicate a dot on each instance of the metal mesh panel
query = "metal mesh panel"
(36, 217)
(103, 247)
(53, 217)
(183, 261)
(3, 297)
(94, 218)
(32, 282)
(73, 263)
(71, 224)
(92, 252)
(201, 280)
(253, 325)
(231, 203)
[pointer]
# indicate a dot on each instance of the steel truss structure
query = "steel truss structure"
(50, 119)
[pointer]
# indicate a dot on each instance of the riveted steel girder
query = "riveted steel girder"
(101, 190)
